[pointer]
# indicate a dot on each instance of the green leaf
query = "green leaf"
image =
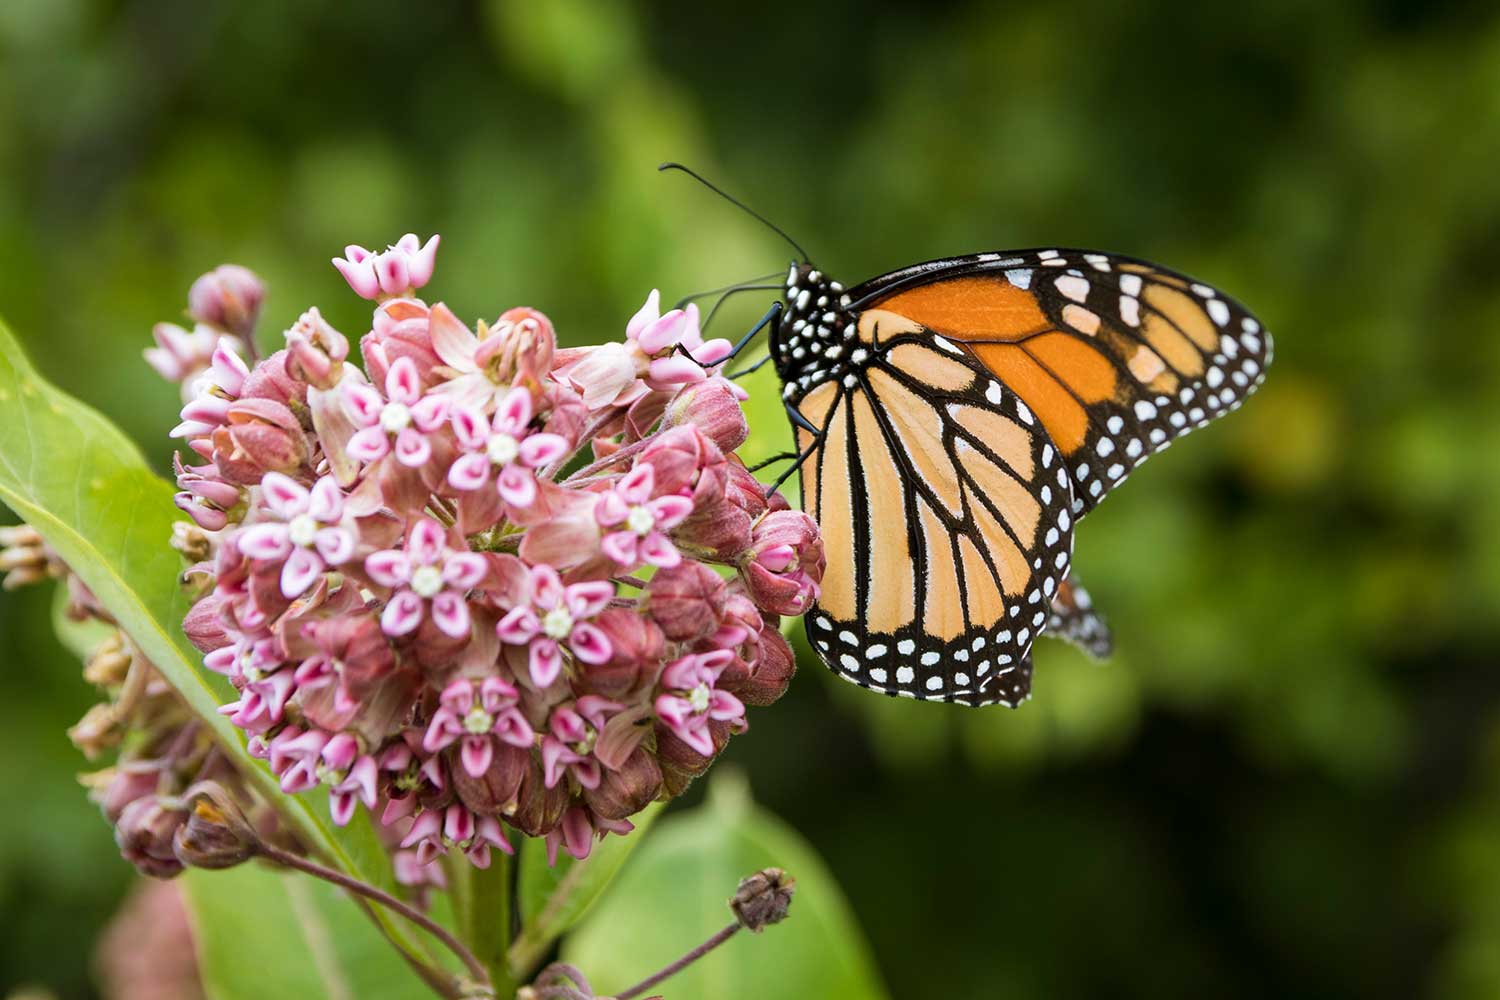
(673, 895)
(72, 475)
(555, 897)
(263, 933)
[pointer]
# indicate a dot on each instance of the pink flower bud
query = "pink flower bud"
(627, 790)
(538, 808)
(400, 270)
(519, 347)
(685, 600)
(317, 351)
(785, 562)
(713, 408)
(203, 626)
(636, 645)
(497, 790)
(400, 330)
(772, 672)
(144, 834)
(272, 379)
(228, 297)
(260, 436)
(680, 763)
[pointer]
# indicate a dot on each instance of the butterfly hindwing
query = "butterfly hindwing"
(1117, 357)
(946, 525)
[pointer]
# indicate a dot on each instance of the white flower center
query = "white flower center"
(503, 449)
(699, 697)
(395, 417)
(427, 581)
(558, 623)
(640, 520)
(478, 721)
(302, 530)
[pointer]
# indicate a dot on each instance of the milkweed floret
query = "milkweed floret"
(419, 578)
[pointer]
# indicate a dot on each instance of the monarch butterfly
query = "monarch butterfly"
(956, 418)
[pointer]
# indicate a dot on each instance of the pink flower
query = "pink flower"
(400, 270)
(477, 724)
(641, 521)
(398, 423)
(555, 615)
(351, 775)
(504, 447)
(212, 392)
(228, 297)
(181, 356)
(577, 829)
(568, 746)
(690, 698)
(309, 536)
(656, 334)
(784, 565)
(428, 578)
(434, 831)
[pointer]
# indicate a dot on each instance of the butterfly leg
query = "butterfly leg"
(779, 457)
(798, 420)
(743, 342)
(752, 369)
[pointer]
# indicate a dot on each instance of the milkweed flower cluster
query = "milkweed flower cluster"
(481, 584)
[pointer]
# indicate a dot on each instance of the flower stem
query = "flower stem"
(682, 963)
(487, 926)
(354, 885)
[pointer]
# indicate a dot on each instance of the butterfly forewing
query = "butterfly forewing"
(1117, 357)
(944, 510)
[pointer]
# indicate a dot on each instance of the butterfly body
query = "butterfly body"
(957, 418)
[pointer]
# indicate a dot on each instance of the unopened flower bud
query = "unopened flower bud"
(496, 791)
(400, 269)
(627, 790)
(538, 808)
(260, 436)
(316, 350)
(763, 899)
(519, 347)
(109, 662)
(228, 297)
(144, 834)
(275, 379)
(115, 788)
(25, 558)
(216, 833)
(685, 599)
(99, 730)
(191, 540)
(772, 672)
(712, 407)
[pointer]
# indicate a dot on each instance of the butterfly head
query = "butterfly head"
(809, 340)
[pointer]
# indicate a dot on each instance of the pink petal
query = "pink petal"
(451, 614)
(516, 486)
(464, 570)
(453, 342)
(590, 644)
(299, 571)
(440, 733)
(335, 545)
(644, 316)
(587, 599)
(388, 567)
(477, 752)
(362, 403)
(663, 332)
(458, 824)
(555, 756)
(712, 352)
(412, 449)
(513, 413)
(424, 543)
(368, 445)
(470, 427)
(267, 540)
(402, 615)
(390, 268)
(494, 692)
(469, 472)
(679, 369)
(669, 511)
(518, 627)
(637, 485)
(458, 697)
(547, 590)
(360, 275)
(620, 546)
(431, 412)
(543, 449)
(284, 495)
(657, 550)
(545, 662)
(725, 707)
(420, 262)
(611, 509)
(511, 727)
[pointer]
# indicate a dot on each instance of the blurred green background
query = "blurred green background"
(1287, 781)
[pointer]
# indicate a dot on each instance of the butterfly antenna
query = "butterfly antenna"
(802, 254)
(749, 282)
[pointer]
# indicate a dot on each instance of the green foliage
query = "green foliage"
(553, 898)
(266, 933)
(672, 895)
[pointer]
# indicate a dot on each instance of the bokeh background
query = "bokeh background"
(1287, 781)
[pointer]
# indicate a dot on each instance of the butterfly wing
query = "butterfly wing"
(944, 511)
(1074, 619)
(1117, 357)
